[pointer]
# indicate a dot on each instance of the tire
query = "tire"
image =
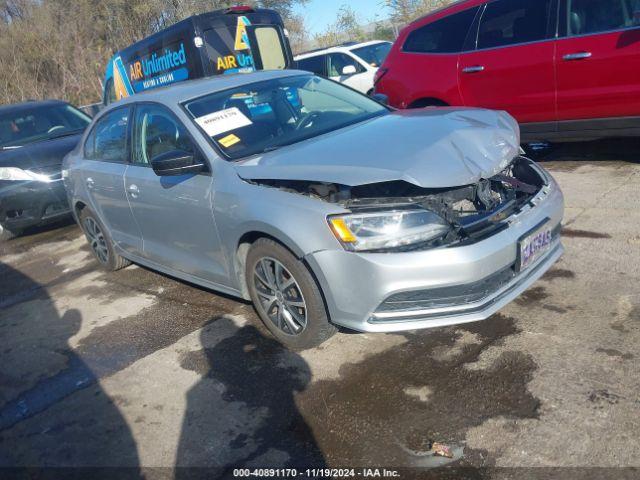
(100, 242)
(295, 284)
(6, 234)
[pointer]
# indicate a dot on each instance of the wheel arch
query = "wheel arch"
(244, 243)
(78, 206)
(423, 102)
(240, 261)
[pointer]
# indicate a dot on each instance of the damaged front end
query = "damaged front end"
(400, 216)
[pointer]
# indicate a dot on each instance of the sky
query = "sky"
(318, 14)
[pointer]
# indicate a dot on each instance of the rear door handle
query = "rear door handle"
(90, 183)
(576, 56)
(474, 69)
(134, 190)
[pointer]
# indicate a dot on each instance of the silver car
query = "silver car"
(322, 206)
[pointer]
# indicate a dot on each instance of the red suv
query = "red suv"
(565, 69)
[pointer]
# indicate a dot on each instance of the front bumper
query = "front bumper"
(27, 204)
(358, 287)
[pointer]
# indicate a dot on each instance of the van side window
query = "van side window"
(593, 16)
(314, 64)
(107, 141)
(109, 92)
(442, 36)
(157, 131)
(509, 22)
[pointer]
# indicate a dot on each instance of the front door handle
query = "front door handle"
(90, 183)
(474, 69)
(576, 56)
(134, 190)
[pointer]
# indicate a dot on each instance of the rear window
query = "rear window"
(375, 54)
(313, 64)
(593, 16)
(446, 35)
(509, 22)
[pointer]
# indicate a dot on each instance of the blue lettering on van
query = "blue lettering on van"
(162, 79)
(144, 70)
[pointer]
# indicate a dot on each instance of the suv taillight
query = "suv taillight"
(379, 74)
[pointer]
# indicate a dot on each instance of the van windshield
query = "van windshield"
(266, 115)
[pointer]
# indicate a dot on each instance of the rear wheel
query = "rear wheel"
(6, 234)
(286, 296)
(100, 242)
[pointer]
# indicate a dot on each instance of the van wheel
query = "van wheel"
(100, 242)
(6, 234)
(286, 296)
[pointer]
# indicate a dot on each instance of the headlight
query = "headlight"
(387, 229)
(18, 174)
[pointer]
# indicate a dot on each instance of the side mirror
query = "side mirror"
(349, 70)
(380, 98)
(176, 162)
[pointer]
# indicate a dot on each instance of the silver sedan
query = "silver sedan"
(322, 206)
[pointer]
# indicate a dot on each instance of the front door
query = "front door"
(512, 66)
(598, 62)
(106, 153)
(174, 212)
(355, 74)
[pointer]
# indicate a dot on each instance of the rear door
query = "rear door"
(106, 151)
(237, 45)
(316, 64)
(598, 61)
(174, 212)
(512, 67)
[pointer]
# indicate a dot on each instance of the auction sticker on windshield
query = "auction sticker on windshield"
(534, 245)
(223, 121)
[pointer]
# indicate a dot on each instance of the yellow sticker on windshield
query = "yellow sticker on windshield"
(228, 141)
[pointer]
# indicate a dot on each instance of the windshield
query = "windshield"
(375, 54)
(266, 115)
(21, 126)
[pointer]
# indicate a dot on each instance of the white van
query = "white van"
(353, 64)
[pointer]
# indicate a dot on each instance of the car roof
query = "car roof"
(187, 90)
(442, 12)
(337, 48)
(16, 107)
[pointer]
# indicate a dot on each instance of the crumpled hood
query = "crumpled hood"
(431, 148)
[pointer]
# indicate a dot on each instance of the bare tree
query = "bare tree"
(59, 48)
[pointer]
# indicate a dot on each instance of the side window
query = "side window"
(337, 62)
(593, 16)
(313, 64)
(508, 22)
(446, 35)
(156, 132)
(107, 141)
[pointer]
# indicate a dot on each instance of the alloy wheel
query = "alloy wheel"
(280, 296)
(97, 240)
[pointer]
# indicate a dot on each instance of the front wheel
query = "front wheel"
(286, 296)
